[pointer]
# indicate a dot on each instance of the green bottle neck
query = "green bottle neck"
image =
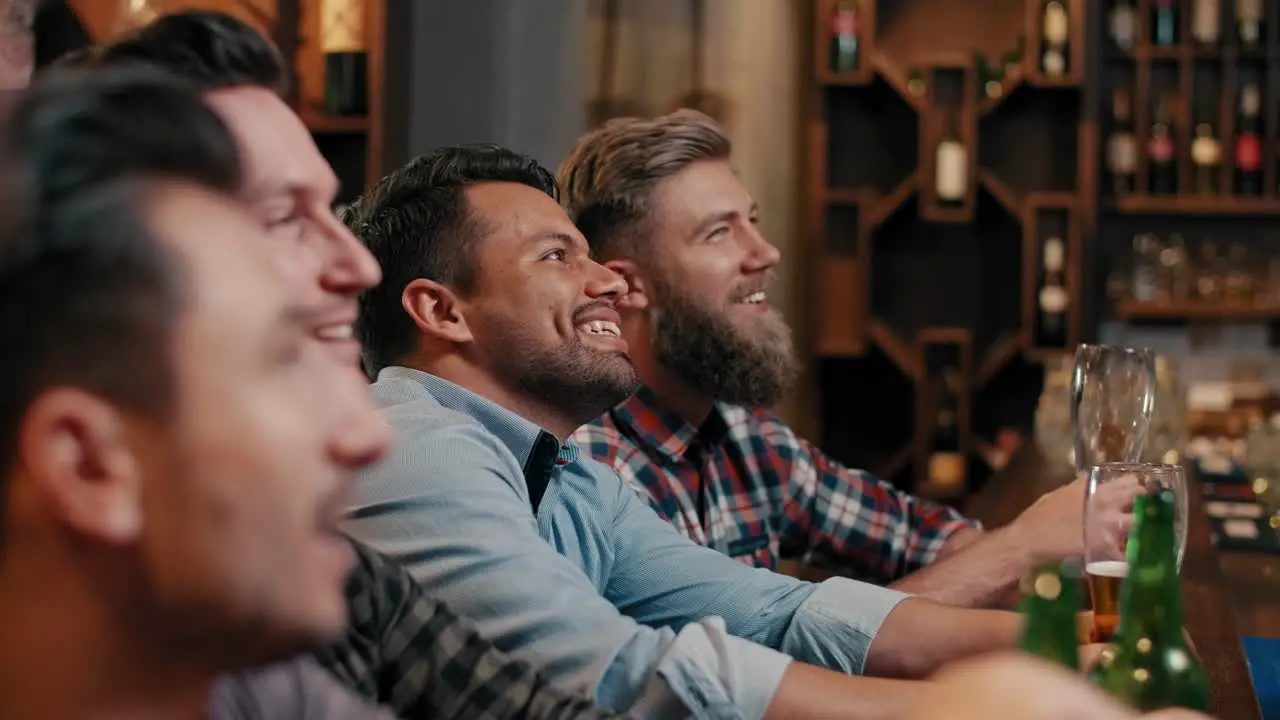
(1151, 598)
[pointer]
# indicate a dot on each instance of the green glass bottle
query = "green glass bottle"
(1149, 665)
(1050, 599)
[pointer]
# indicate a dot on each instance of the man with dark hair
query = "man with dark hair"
(495, 335)
(173, 445)
(661, 205)
(403, 648)
(288, 185)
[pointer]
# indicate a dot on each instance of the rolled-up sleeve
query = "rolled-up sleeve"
(451, 505)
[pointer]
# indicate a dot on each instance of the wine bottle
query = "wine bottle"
(1123, 24)
(1052, 301)
(915, 82)
(1249, 23)
(1164, 22)
(951, 160)
(1122, 146)
(1162, 167)
(1248, 146)
(946, 457)
(845, 47)
(1055, 34)
(1149, 666)
(1206, 22)
(1206, 154)
(1050, 599)
(346, 57)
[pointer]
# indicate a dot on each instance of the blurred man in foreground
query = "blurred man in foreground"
(174, 446)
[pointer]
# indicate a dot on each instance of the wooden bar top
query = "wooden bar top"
(1210, 601)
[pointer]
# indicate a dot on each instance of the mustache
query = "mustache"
(591, 307)
(754, 286)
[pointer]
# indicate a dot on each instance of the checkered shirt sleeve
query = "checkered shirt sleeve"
(411, 653)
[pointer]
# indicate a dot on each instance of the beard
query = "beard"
(707, 350)
(578, 381)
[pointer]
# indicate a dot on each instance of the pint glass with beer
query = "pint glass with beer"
(1106, 533)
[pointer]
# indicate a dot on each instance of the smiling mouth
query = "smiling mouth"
(754, 298)
(336, 332)
(601, 327)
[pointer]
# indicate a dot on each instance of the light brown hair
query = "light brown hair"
(607, 180)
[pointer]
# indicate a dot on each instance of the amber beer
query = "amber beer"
(1105, 579)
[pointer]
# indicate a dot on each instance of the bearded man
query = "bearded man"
(660, 204)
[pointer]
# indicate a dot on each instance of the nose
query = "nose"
(349, 267)
(761, 254)
(605, 283)
(363, 437)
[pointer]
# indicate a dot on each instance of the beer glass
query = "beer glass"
(1112, 393)
(1107, 519)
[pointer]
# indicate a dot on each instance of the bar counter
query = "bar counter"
(1223, 593)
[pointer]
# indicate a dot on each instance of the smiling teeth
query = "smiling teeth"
(601, 327)
(753, 298)
(336, 332)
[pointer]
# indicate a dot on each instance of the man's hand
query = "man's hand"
(1053, 527)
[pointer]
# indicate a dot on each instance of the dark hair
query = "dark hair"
(417, 224)
(207, 48)
(88, 297)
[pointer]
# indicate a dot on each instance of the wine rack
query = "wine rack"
(1226, 139)
(911, 258)
(1082, 131)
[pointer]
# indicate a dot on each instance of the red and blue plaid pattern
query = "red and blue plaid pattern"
(745, 484)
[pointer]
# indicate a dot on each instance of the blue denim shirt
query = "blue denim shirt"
(596, 590)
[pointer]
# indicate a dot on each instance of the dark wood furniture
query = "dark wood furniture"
(892, 267)
(352, 145)
(1223, 594)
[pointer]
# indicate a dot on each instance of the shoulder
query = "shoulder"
(602, 439)
(756, 426)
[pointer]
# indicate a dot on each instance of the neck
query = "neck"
(690, 404)
(468, 377)
(70, 652)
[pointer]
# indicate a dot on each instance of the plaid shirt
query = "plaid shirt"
(409, 652)
(748, 486)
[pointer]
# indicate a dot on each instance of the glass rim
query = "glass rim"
(1147, 467)
(1116, 348)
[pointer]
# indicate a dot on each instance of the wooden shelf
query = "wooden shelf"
(317, 121)
(1195, 205)
(1195, 310)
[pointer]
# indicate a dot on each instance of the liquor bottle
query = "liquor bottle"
(1162, 167)
(844, 37)
(1050, 598)
(1055, 33)
(1150, 667)
(946, 457)
(1206, 155)
(951, 171)
(1249, 23)
(1122, 146)
(1124, 24)
(1051, 320)
(1164, 22)
(346, 57)
(1248, 149)
(1206, 22)
(915, 82)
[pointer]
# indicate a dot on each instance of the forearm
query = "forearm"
(981, 573)
(813, 693)
(919, 636)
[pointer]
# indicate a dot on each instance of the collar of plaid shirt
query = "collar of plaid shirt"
(664, 431)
